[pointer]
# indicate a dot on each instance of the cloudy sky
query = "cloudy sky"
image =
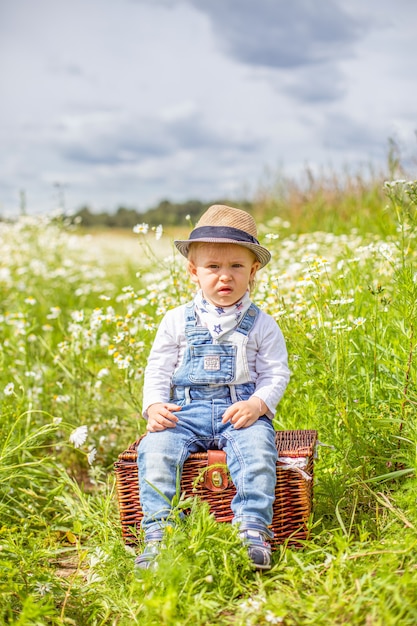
(110, 102)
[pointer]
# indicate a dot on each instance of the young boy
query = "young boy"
(215, 374)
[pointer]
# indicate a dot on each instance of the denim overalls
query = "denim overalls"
(204, 386)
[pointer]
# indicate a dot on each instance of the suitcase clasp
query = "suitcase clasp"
(216, 477)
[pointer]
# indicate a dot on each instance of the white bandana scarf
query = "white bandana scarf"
(220, 320)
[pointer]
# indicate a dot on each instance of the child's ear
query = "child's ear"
(192, 270)
(255, 266)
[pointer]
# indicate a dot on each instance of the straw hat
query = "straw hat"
(224, 224)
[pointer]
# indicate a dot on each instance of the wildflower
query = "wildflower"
(252, 603)
(79, 436)
(340, 325)
(273, 619)
(55, 311)
(77, 316)
(342, 301)
(141, 229)
(98, 557)
(95, 474)
(359, 321)
(329, 559)
(30, 300)
(63, 346)
(403, 227)
(91, 456)
(158, 232)
(387, 251)
(119, 337)
(60, 399)
(9, 389)
(43, 588)
(104, 340)
(103, 372)
(122, 363)
(93, 578)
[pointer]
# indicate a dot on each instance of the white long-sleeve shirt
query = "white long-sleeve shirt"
(266, 354)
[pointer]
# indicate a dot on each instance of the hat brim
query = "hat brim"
(262, 254)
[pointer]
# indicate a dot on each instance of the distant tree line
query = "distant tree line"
(166, 213)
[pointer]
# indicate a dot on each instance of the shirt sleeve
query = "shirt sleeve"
(163, 358)
(271, 363)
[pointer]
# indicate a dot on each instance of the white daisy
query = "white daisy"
(141, 229)
(79, 436)
(91, 456)
(9, 389)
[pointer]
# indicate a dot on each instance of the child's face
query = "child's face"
(223, 271)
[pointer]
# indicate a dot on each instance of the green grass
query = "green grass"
(76, 328)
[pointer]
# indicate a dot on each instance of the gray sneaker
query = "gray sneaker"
(147, 560)
(259, 550)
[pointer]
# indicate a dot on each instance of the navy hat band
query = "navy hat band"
(222, 232)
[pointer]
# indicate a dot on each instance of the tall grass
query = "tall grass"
(331, 201)
(75, 334)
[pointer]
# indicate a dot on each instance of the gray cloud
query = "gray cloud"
(282, 35)
(341, 132)
(131, 141)
(317, 84)
(116, 145)
(68, 69)
(182, 98)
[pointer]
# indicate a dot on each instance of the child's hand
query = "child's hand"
(244, 413)
(160, 416)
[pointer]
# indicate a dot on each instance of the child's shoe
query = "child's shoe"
(259, 549)
(147, 560)
(153, 544)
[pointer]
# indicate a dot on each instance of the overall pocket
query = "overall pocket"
(213, 364)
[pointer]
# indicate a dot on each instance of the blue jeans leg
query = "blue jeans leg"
(161, 457)
(252, 457)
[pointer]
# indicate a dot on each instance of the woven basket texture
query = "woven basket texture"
(293, 493)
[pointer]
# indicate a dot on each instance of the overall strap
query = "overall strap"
(248, 320)
(189, 315)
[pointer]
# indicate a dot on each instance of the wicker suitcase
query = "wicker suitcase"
(205, 475)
